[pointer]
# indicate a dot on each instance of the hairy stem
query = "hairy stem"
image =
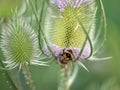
(27, 76)
(67, 77)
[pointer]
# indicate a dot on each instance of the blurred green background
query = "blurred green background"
(103, 75)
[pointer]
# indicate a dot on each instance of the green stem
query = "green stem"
(67, 77)
(27, 76)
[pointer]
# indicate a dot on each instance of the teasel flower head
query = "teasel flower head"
(19, 44)
(69, 29)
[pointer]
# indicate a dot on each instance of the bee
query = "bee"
(66, 56)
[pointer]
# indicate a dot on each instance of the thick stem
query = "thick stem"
(27, 76)
(67, 77)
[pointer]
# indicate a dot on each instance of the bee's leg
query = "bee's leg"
(58, 59)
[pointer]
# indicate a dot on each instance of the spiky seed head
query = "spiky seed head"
(19, 44)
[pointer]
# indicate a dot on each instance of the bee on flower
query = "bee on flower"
(69, 29)
(70, 35)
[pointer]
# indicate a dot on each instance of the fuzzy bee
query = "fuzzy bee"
(66, 56)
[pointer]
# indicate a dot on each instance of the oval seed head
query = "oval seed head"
(19, 44)
(63, 30)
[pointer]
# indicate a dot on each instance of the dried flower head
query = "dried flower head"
(67, 26)
(19, 44)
